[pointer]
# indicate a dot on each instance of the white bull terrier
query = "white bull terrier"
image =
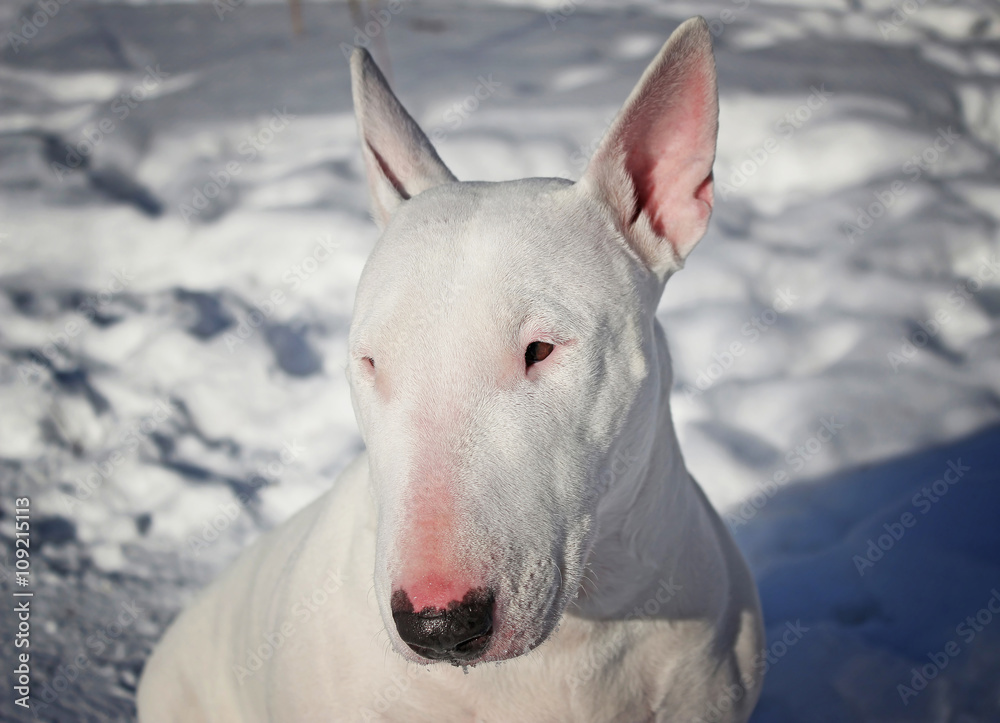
(523, 501)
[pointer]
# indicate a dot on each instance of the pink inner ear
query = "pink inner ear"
(387, 171)
(670, 142)
(706, 191)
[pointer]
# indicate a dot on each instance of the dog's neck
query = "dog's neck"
(656, 551)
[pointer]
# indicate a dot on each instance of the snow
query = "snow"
(197, 354)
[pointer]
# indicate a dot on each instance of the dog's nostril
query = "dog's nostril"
(457, 633)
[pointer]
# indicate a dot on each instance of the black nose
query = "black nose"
(457, 634)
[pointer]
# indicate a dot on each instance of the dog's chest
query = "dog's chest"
(579, 675)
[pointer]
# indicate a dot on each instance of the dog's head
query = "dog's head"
(503, 346)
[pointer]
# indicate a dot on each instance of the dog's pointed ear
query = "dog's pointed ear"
(400, 160)
(654, 165)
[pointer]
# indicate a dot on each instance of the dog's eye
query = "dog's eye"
(368, 360)
(536, 352)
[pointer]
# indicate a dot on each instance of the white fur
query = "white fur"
(564, 484)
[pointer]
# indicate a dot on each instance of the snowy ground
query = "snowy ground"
(171, 352)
